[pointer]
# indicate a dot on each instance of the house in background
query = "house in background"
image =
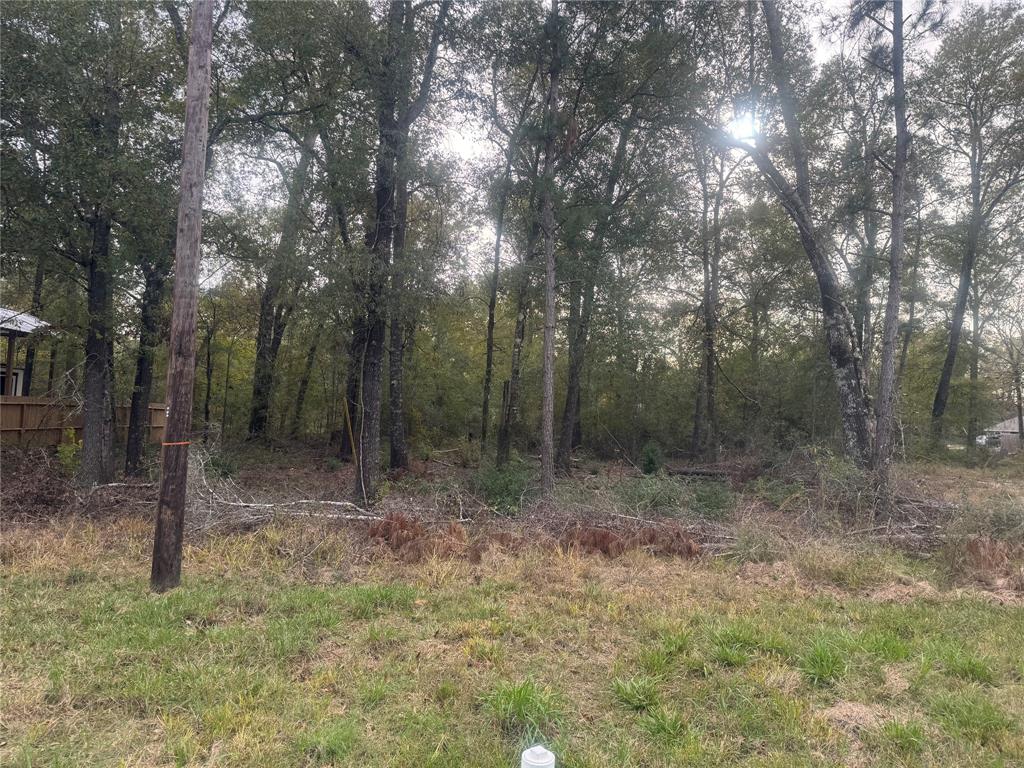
(15, 325)
(1004, 436)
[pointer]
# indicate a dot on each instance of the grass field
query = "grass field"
(288, 646)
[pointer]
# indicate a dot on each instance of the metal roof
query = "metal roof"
(1010, 425)
(22, 323)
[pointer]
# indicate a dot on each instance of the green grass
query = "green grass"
(257, 660)
(639, 692)
(526, 708)
(825, 661)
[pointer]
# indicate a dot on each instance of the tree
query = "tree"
(976, 110)
(553, 33)
(397, 111)
(797, 200)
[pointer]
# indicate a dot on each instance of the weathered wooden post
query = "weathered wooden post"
(170, 515)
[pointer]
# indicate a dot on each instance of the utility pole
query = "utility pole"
(170, 515)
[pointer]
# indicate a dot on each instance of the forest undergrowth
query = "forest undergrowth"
(749, 615)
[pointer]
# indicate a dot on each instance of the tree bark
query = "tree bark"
(353, 376)
(912, 303)
(307, 372)
(398, 450)
(211, 329)
(705, 422)
(275, 299)
(30, 346)
(510, 403)
(499, 230)
(1017, 391)
(975, 352)
(170, 518)
(885, 406)
(98, 438)
(155, 276)
(98, 429)
(579, 332)
(392, 132)
(840, 340)
(975, 225)
(547, 450)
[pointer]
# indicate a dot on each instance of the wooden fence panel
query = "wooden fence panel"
(40, 421)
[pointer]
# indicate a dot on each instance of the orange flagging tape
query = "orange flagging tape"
(183, 442)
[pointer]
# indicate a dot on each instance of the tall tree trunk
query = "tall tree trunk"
(353, 376)
(51, 369)
(307, 372)
(98, 438)
(705, 422)
(499, 230)
(510, 402)
(275, 298)
(227, 387)
(1019, 399)
(975, 225)
(170, 517)
(393, 126)
(547, 450)
(885, 406)
(30, 346)
(579, 332)
(492, 300)
(972, 395)
(865, 276)
(912, 303)
(840, 340)
(398, 450)
(142, 389)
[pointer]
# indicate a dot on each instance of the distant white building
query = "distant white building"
(1005, 436)
(13, 326)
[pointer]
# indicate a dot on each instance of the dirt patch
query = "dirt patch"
(896, 682)
(781, 572)
(853, 718)
(905, 593)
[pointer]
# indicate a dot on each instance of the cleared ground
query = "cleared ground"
(272, 656)
(307, 642)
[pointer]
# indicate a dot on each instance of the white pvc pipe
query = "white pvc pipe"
(537, 757)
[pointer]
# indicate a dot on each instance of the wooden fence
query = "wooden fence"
(39, 421)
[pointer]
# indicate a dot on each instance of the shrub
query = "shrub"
(651, 458)
(712, 499)
(503, 487)
(776, 492)
(757, 544)
(652, 493)
(222, 465)
(68, 452)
